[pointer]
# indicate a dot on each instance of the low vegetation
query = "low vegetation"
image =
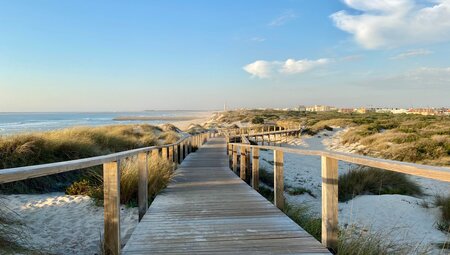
(404, 137)
(12, 235)
(354, 241)
(160, 174)
(367, 180)
(444, 203)
(70, 144)
(305, 218)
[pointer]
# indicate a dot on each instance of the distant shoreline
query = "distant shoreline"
(155, 118)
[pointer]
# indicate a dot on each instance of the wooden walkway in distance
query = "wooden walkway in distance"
(207, 209)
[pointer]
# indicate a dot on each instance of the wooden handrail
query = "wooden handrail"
(329, 165)
(426, 171)
(111, 179)
(28, 172)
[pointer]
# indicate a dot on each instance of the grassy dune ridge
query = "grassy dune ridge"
(404, 137)
(69, 144)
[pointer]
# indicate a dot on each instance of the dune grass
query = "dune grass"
(403, 137)
(12, 235)
(160, 174)
(70, 144)
(367, 180)
(444, 203)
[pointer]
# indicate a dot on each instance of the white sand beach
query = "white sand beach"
(401, 218)
(63, 224)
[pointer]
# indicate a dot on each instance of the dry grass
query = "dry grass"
(160, 174)
(444, 203)
(12, 235)
(353, 241)
(68, 144)
(367, 180)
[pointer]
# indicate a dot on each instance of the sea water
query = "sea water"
(13, 123)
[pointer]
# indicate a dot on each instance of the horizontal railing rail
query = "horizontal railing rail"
(174, 152)
(329, 165)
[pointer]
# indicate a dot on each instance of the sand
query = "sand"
(201, 118)
(400, 218)
(63, 224)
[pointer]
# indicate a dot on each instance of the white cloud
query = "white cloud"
(393, 23)
(259, 68)
(281, 20)
(257, 39)
(412, 53)
(266, 69)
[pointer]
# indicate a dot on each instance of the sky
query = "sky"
(141, 55)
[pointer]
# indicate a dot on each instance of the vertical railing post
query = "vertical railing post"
(171, 153)
(164, 152)
(330, 202)
(111, 189)
(176, 153)
(255, 168)
(181, 157)
(243, 168)
(235, 158)
(142, 184)
(278, 179)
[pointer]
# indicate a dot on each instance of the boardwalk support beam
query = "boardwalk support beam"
(278, 179)
(143, 184)
(255, 168)
(111, 183)
(330, 202)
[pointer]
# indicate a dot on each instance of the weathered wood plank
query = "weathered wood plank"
(207, 209)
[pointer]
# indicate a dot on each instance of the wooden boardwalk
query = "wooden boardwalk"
(207, 209)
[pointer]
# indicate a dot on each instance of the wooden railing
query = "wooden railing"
(175, 152)
(231, 132)
(329, 166)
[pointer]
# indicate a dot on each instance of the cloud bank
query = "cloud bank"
(266, 69)
(394, 23)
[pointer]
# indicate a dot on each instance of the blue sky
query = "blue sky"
(135, 55)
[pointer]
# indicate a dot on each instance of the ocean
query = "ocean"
(13, 123)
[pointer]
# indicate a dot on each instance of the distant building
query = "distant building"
(320, 108)
(301, 108)
(391, 110)
(429, 111)
(346, 110)
(364, 110)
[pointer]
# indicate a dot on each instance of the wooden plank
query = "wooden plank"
(255, 168)
(278, 179)
(330, 203)
(111, 185)
(207, 209)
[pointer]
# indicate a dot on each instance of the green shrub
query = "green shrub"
(299, 191)
(367, 180)
(257, 120)
(303, 216)
(266, 177)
